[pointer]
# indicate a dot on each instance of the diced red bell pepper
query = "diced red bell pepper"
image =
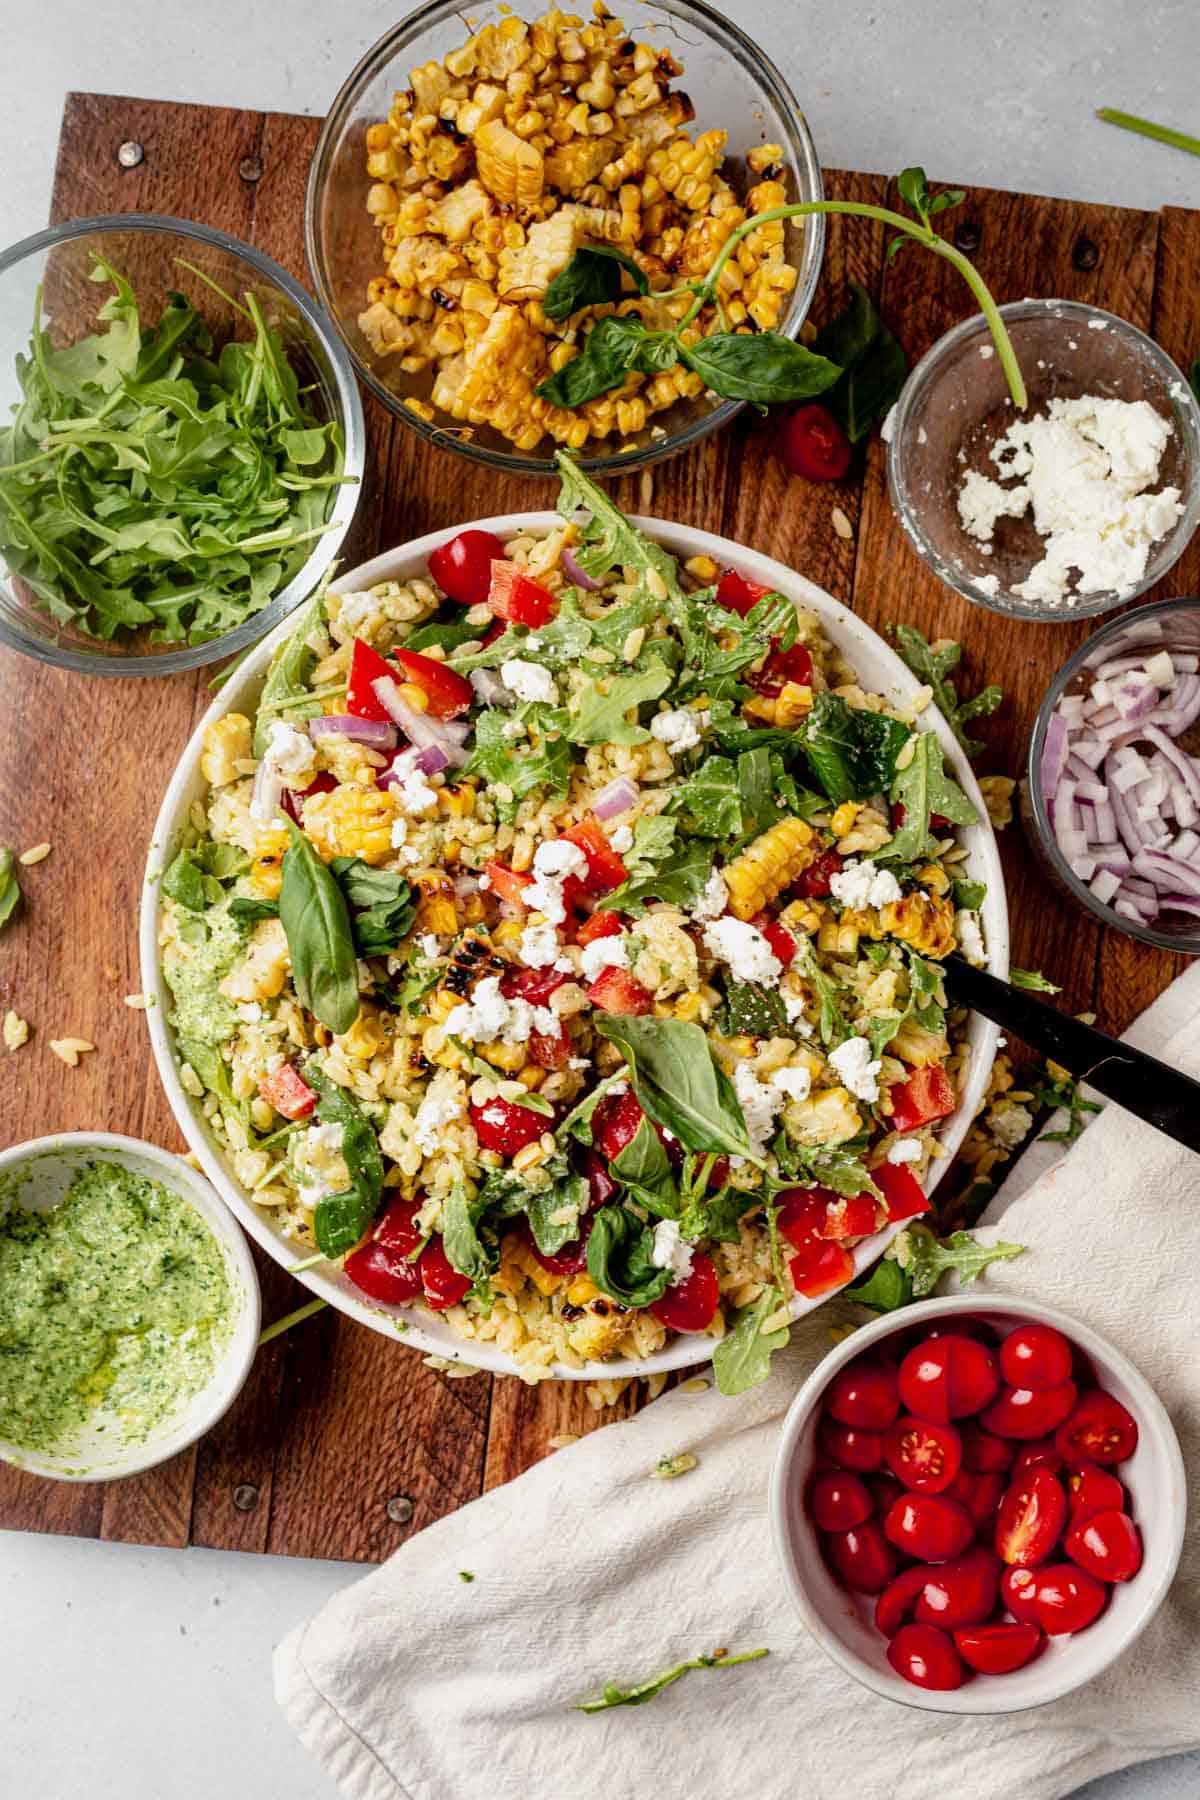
(605, 869)
(508, 883)
(738, 593)
(443, 1284)
(366, 666)
(384, 1267)
(515, 596)
(783, 944)
(616, 991)
(813, 882)
(504, 1126)
(901, 1190)
(804, 1214)
(447, 692)
(928, 1094)
(291, 798)
(821, 1267)
(853, 1217)
(599, 925)
(781, 667)
(287, 1091)
(462, 566)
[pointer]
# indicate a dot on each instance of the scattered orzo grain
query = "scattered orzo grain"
(841, 524)
(38, 854)
(16, 1030)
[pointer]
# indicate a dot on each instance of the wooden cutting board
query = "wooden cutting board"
(342, 1442)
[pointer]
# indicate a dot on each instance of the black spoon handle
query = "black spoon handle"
(1149, 1089)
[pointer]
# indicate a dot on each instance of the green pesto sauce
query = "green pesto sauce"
(114, 1308)
(194, 969)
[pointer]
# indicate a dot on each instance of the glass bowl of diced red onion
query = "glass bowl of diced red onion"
(1113, 799)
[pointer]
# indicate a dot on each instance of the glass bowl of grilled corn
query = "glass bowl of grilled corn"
(461, 170)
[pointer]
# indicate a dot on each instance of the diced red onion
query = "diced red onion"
(373, 734)
(418, 727)
(1083, 867)
(1134, 698)
(614, 799)
(432, 760)
(1090, 751)
(1128, 910)
(1179, 903)
(579, 576)
(1091, 791)
(1105, 885)
(1054, 756)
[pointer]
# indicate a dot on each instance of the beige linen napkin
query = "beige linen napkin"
(415, 1684)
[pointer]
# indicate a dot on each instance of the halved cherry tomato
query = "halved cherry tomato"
(813, 883)
(1032, 1515)
(509, 884)
(599, 925)
(384, 1267)
(998, 1649)
(928, 1094)
(929, 1527)
(501, 1125)
(1041, 1454)
(1091, 1489)
(849, 1448)
(605, 869)
(781, 667)
(1029, 1412)
(983, 1451)
(884, 1490)
(804, 1214)
(287, 1091)
(551, 1049)
(1018, 1592)
(462, 566)
(948, 1377)
(292, 799)
(1068, 1599)
(926, 1656)
(864, 1393)
(813, 444)
(1106, 1544)
(739, 593)
(925, 1457)
(443, 1284)
(447, 692)
(534, 985)
(898, 1598)
(1098, 1430)
(839, 1501)
(615, 990)
(820, 1268)
(901, 1191)
(692, 1303)
(981, 1492)
(1035, 1356)
(367, 666)
(515, 596)
(783, 944)
(960, 1592)
(862, 1557)
(615, 1124)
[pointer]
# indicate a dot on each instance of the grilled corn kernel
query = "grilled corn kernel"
(582, 1289)
(844, 818)
(768, 866)
(352, 821)
(226, 743)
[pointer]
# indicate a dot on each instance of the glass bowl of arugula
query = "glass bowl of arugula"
(181, 445)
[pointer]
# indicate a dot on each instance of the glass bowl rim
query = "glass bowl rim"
(326, 548)
(385, 49)
(919, 381)
(1183, 943)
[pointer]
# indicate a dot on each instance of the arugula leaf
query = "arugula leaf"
(923, 788)
(969, 896)
(709, 803)
(932, 663)
(874, 367)
(446, 632)
(286, 691)
(852, 752)
(596, 713)
(832, 1024)
(679, 881)
(10, 887)
(339, 1220)
(679, 1082)
(716, 1216)
(619, 1261)
(1033, 981)
(465, 1249)
(609, 540)
(751, 1011)
(646, 1690)
(887, 1287)
(742, 1359)
(385, 905)
(763, 367)
(925, 985)
(559, 643)
(316, 921)
(543, 761)
(926, 1260)
(185, 882)
(836, 1166)
(591, 278)
(419, 976)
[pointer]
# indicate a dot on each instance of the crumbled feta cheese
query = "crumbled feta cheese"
(355, 608)
(622, 839)
(860, 883)
(545, 1022)
(794, 1006)
(760, 1105)
(853, 1063)
(552, 863)
(489, 1015)
(529, 681)
(970, 938)
(795, 1083)
(905, 1150)
(604, 953)
(1011, 1125)
(714, 899)
(251, 1012)
(318, 1163)
(744, 948)
(539, 947)
(670, 1252)
(411, 788)
(290, 760)
(428, 945)
(678, 731)
(399, 832)
(444, 1101)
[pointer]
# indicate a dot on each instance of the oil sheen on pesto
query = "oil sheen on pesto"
(114, 1308)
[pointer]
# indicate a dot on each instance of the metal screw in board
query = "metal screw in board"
(400, 1509)
(968, 237)
(130, 154)
(1085, 255)
(245, 1496)
(251, 168)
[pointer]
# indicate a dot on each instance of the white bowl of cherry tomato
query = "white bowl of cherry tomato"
(979, 1505)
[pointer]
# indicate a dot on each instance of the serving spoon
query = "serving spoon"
(1149, 1089)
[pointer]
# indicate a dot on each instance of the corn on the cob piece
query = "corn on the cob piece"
(352, 821)
(920, 920)
(767, 866)
(512, 170)
(527, 270)
(473, 959)
(226, 743)
(436, 912)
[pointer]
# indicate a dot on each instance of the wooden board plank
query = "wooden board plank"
(339, 1445)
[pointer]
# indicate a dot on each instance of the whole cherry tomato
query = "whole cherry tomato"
(865, 1393)
(998, 1649)
(1041, 1454)
(1091, 1489)
(948, 1377)
(850, 1448)
(928, 1527)
(504, 1126)
(961, 1592)
(813, 444)
(839, 1501)
(862, 1557)
(1068, 1599)
(1036, 1356)
(980, 1491)
(924, 1456)
(692, 1303)
(385, 1267)
(983, 1451)
(898, 1599)
(1018, 1591)
(926, 1656)
(1106, 1544)
(462, 567)
(1098, 1430)
(443, 1284)
(1029, 1412)
(884, 1490)
(1032, 1515)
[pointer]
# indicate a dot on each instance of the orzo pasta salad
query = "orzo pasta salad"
(558, 944)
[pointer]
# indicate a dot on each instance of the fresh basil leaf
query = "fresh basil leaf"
(678, 1081)
(610, 350)
(885, 1289)
(248, 911)
(751, 1011)
(644, 1169)
(339, 1220)
(925, 1259)
(465, 1249)
(874, 367)
(716, 1217)
(596, 711)
(933, 665)
(763, 367)
(578, 1122)
(852, 752)
(185, 882)
(709, 804)
(679, 881)
(969, 896)
(316, 921)
(619, 1258)
(609, 540)
(742, 1359)
(591, 278)
(10, 887)
(923, 788)
(385, 905)
(1033, 981)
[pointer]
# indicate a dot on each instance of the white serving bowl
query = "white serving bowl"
(841, 1621)
(44, 1169)
(879, 669)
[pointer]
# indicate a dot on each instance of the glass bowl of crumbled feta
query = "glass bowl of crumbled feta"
(1075, 506)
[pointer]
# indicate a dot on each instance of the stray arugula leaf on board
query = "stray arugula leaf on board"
(10, 886)
(1033, 981)
(1060, 1093)
(593, 277)
(742, 1359)
(613, 1695)
(932, 664)
(925, 1258)
(874, 367)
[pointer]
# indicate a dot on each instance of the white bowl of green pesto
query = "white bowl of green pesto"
(129, 1306)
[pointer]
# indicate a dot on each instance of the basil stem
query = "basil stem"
(1163, 134)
